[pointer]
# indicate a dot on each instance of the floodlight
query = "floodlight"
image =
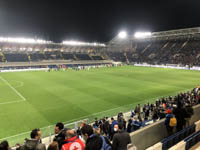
(77, 43)
(142, 34)
(23, 40)
(122, 35)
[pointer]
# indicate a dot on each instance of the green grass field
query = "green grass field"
(39, 99)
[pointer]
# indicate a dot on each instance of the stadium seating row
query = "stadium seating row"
(38, 56)
(184, 139)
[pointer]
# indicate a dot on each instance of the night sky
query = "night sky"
(92, 20)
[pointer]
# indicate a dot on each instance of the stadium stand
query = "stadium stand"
(83, 57)
(68, 56)
(169, 47)
(172, 47)
(10, 57)
(97, 58)
(36, 56)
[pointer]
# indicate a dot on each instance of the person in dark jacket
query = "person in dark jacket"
(180, 114)
(60, 134)
(4, 145)
(121, 139)
(130, 126)
(93, 142)
(34, 143)
(189, 112)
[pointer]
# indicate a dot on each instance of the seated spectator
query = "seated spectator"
(53, 146)
(60, 134)
(121, 139)
(72, 142)
(34, 143)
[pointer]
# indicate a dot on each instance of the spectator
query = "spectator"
(155, 115)
(180, 114)
(93, 142)
(189, 112)
(130, 126)
(114, 122)
(53, 146)
(4, 145)
(34, 143)
(60, 134)
(106, 126)
(72, 142)
(167, 122)
(121, 139)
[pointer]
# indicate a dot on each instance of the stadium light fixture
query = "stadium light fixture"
(78, 43)
(142, 34)
(122, 35)
(23, 40)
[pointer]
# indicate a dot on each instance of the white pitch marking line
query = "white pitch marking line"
(20, 95)
(11, 102)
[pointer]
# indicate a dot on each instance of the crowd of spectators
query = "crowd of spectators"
(113, 133)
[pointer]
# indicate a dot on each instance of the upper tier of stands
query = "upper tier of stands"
(168, 47)
(185, 52)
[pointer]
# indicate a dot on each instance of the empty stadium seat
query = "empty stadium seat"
(177, 137)
(192, 140)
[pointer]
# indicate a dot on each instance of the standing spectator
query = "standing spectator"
(60, 134)
(72, 142)
(167, 122)
(130, 126)
(180, 114)
(121, 139)
(4, 145)
(93, 142)
(106, 126)
(189, 112)
(34, 143)
(114, 122)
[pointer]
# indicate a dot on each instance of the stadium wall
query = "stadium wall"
(172, 66)
(154, 133)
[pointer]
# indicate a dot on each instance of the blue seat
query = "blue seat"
(192, 140)
(177, 137)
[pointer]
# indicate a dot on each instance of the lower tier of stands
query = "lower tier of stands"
(40, 56)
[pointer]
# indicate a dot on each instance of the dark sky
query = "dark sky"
(94, 20)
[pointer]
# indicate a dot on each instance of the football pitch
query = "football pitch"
(38, 99)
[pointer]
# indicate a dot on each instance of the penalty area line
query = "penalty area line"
(19, 94)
